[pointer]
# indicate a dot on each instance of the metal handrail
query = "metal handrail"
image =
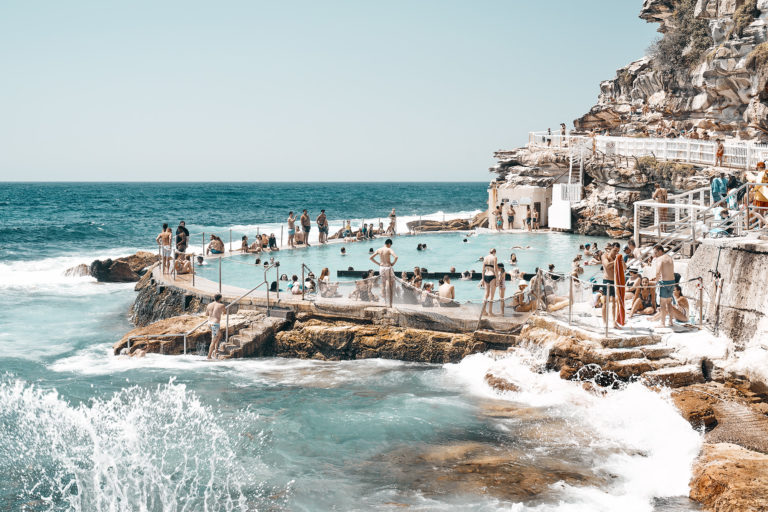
(303, 280)
(170, 335)
(237, 300)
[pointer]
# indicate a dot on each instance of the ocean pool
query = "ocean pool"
(444, 250)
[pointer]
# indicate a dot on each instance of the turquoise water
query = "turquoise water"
(81, 429)
(444, 250)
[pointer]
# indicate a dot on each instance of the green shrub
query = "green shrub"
(744, 15)
(681, 48)
(758, 57)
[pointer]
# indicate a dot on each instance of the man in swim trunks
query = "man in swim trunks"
(291, 230)
(387, 260)
(214, 311)
(164, 241)
(322, 227)
(609, 290)
(665, 277)
(305, 226)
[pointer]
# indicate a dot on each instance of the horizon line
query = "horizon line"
(233, 182)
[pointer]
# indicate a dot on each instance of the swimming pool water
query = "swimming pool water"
(444, 250)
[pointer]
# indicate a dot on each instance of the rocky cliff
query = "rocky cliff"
(708, 71)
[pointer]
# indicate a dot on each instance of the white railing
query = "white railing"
(567, 192)
(737, 154)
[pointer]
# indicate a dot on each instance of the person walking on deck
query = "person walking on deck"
(490, 275)
(665, 278)
(291, 230)
(164, 241)
(214, 311)
(306, 226)
(386, 263)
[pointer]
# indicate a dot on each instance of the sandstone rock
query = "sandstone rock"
(729, 478)
(122, 270)
(78, 271)
(347, 340)
(500, 383)
(155, 302)
(152, 341)
(696, 407)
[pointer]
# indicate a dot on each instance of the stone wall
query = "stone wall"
(743, 301)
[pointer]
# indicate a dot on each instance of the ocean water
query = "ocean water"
(81, 429)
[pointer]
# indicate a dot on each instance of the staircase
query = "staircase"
(253, 340)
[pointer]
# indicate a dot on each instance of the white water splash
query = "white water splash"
(142, 449)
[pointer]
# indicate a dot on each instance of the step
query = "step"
(618, 354)
(638, 366)
(630, 341)
(657, 352)
(675, 377)
(285, 313)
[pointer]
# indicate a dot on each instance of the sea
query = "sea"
(81, 429)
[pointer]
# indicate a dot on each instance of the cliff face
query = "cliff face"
(708, 71)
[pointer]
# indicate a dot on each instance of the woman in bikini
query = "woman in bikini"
(502, 280)
(645, 299)
(680, 307)
(490, 273)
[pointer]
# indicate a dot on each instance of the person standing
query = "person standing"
(291, 230)
(322, 227)
(392, 229)
(609, 284)
(164, 241)
(306, 226)
(536, 219)
(214, 311)
(490, 276)
(528, 218)
(719, 153)
(386, 263)
(660, 196)
(182, 237)
(665, 278)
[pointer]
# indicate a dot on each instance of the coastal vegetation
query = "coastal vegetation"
(681, 48)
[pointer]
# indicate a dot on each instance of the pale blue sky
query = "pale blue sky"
(299, 90)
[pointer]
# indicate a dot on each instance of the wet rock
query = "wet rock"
(127, 269)
(151, 341)
(349, 340)
(78, 271)
(155, 302)
(500, 383)
(696, 407)
(729, 478)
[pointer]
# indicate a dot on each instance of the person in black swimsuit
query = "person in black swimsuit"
(490, 273)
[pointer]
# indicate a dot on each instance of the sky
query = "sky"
(249, 90)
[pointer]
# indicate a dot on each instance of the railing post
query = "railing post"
(277, 280)
(230, 239)
(219, 273)
(607, 300)
(570, 300)
(701, 301)
(185, 344)
(193, 269)
(226, 337)
(203, 245)
(303, 288)
(281, 235)
(637, 226)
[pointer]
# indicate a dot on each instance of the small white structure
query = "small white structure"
(516, 199)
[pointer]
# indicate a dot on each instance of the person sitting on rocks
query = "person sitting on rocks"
(679, 308)
(645, 299)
